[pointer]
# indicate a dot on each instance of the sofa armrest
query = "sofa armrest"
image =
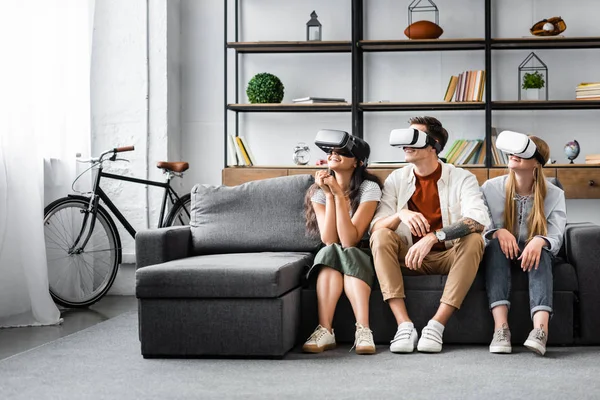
(582, 247)
(156, 246)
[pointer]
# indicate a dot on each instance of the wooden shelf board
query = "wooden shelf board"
(423, 44)
(291, 107)
(546, 105)
(434, 105)
(292, 47)
(546, 42)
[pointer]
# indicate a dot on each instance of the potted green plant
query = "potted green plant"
(265, 88)
(532, 83)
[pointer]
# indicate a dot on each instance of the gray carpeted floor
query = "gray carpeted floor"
(104, 362)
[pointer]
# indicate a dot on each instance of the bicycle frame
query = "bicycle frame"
(98, 194)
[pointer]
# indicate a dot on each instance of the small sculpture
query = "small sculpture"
(549, 27)
(423, 29)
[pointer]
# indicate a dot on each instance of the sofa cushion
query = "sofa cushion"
(265, 215)
(250, 275)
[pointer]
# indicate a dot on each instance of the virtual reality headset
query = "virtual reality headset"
(343, 143)
(518, 144)
(414, 138)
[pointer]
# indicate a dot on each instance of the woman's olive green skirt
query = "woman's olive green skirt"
(352, 261)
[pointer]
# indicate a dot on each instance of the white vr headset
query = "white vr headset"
(413, 138)
(518, 144)
(343, 143)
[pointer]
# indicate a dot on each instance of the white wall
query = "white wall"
(388, 76)
(136, 101)
(119, 87)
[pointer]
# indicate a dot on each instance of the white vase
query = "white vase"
(532, 94)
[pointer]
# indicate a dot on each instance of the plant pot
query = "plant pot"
(532, 94)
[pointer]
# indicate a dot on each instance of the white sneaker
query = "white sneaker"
(405, 339)
(363, 340)
(431, 340)
(319, 341)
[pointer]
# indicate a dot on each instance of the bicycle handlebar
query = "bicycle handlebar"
(102, 158)
(124, 149)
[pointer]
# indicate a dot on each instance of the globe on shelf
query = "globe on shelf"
(572, 150)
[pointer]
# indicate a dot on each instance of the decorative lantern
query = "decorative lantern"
(313, 28)
(533, 77)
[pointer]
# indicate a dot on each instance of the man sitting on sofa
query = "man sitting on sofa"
(429, 220)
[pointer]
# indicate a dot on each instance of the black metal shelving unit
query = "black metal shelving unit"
(357, 46)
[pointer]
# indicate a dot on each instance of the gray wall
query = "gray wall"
(193, 87)
(388, 76)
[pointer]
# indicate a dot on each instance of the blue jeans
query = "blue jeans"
(498, 278)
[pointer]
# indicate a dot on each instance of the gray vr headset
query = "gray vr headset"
(343, 143)
(518, 144)
(414, 138)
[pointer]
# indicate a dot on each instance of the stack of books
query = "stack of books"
(592, 159)
(467, 86)
(588, 91)
(310, 100)
(239, 152)
(465, 151)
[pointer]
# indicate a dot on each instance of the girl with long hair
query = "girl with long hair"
(339, 208)
(529, 217)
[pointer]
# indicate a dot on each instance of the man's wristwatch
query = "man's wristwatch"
(440, 235)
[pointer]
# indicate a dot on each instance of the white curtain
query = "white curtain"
(44, 122)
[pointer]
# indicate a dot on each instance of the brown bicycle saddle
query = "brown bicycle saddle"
(559, 27)
(178, 166)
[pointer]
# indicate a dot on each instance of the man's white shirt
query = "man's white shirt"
(460, 197)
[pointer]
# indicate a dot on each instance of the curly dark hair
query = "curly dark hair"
(359, 175)
(434, 129)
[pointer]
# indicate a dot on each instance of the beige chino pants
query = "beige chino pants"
(460, 263)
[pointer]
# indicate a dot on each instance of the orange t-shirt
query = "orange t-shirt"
(426, 200)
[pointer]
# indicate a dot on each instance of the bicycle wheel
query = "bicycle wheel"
(79, 277)
(180, 213)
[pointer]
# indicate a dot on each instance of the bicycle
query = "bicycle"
(83, 245)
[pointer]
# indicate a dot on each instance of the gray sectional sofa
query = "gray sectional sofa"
(233, 283)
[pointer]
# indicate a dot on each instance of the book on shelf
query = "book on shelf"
(481, 154)
(248, 150)
(465, 152)
(232, 157)
(243, 152)
(587, 91)
(592, 159)
(311, 100)
(451, 88)
(498, 157)
(594, 97)
(455, 151)
(586, 85)
(469, 86)
(471, 152)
